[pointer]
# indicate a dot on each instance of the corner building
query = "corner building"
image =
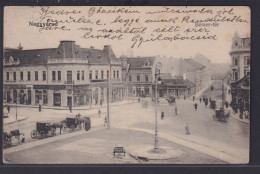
(62, 76)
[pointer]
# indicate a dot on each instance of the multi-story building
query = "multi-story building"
(194, 72)
(240, 54)
(139, 76)
(240, 82)
(67, 75)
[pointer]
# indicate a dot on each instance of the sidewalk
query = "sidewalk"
(232, 114)
(12, 119)
(199, 93)
(84, 107)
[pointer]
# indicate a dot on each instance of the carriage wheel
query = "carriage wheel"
(42, 134)
(72, 127)
(34, 134)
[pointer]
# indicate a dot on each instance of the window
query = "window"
(53, 75)
(146, 78)
(78, 75)
(117, 74)
(28, 75)
(130, 78)
(138, 78)
(114, 74)
(247, 60)
(14, 75)
(82, 75)
(7, 75)
(59, 75)
(96, 74)
(107, 74)
(236, 61)
(102, 74)
(36, 75)
(44, 75)
(90, 75)
(21, 75)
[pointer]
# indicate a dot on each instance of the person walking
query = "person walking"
(226, 103)
(187, 129)
(196, 106)
(162, 115)
(8, 108)
(105, 121)
(206, 103)
(184, 97)
(193, 98)
(200, 100)
(40, 108)
(99, 113)
(176, 110)
(70, 108)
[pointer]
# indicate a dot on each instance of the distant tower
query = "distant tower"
(20, 47)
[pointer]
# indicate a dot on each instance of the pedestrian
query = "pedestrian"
(99, 113)
(70, 108)
(8, 108)
(226, 103)
(193, 98)
(61, 125)
(187, 129)
(105, 121)
(246, 114)
(200, 100)
(184, 97)
(162, 115)
(206, 103)
(196, 106)
(176, 110)
(40, 108)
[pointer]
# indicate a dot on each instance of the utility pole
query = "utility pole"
(108, 124)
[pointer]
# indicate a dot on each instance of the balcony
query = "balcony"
(98, 80)
(69, 82)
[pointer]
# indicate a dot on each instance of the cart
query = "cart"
(221, 115)
(43, 129)
(8, 137)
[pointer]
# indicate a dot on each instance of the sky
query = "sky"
(17, 30)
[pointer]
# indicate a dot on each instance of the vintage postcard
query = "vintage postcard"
(126, 85)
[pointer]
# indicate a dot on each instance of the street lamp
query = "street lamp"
(158, 67)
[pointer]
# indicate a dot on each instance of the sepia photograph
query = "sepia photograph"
(126, 84)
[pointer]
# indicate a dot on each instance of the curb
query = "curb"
(197, 147)
(238, 119)
(62, 108)
(16, 121)
(41, 142)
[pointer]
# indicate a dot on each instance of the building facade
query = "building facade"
(240, 77)
(63, 76)
(139, 76)
(194, 72)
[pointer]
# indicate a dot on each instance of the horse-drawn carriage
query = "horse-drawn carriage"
(7, 138)
(221, 115)
(44, 129)
(73, 123)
